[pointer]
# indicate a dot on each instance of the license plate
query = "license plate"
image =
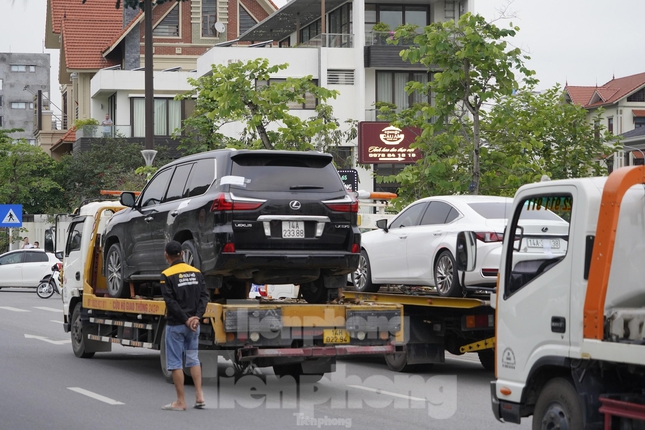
(293, 229)
(537, 243)
(335, 335)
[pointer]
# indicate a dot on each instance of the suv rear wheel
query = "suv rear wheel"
(191, 257)
(114, 271)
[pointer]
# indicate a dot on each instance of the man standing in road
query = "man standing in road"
(186, 297)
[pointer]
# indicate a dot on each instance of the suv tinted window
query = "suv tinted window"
(201, 177)
(178, 182)
(156, 189)
(36, 257)
(286, 173)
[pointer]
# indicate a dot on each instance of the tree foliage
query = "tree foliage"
(26, 176)
(245, 93)
(472, 65)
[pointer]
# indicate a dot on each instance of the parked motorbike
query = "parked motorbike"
(50, 283)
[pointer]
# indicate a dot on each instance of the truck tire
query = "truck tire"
(446, 280)
(115, 272)
(191, 256)
(362, 276)
(78, 338)
(399, 363)
(314, 292)
(487, 359)
(558, 406)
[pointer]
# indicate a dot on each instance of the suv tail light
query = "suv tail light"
(346, 204)
(226, 202)
(489, 236)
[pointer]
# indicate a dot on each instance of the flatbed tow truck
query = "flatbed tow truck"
(436, 324)
(296, 339)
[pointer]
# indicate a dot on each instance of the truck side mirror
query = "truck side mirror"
(382, 224)
(466, 251)
(127, 199)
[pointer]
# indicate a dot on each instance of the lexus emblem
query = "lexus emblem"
(295, 205)
(545, 229)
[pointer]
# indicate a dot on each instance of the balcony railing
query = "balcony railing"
(382, 38)
(330, 40)
(103, 131)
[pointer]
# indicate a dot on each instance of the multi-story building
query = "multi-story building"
(622, 101)
(333, 41)
(23, 77)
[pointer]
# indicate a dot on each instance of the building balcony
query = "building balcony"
(329, 40)
(379, 52)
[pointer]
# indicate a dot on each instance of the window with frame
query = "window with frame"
(74, 238)
(310, 100)
(390, 88)
(246, 20)
(169, 26)
(1, 100)
(309, 32)
(0, 84)
(1, 122)
(343, 156)
(610, 125)
(209, 18)
(23, 68)
(396, 15)
(20, 105)
(167, 113)
(639, 121)
(340, 20)
(638, 96)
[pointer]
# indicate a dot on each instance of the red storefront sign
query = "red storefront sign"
(380, 142)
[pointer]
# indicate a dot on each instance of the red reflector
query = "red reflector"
(481, 320)
(229, 247)
(356, 249)
(489, 272)
(343, 207)
(488, 236)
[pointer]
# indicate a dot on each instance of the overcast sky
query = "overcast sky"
(582, 42)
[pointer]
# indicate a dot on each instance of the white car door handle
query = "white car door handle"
(403, 237)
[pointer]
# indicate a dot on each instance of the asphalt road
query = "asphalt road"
(44, 386)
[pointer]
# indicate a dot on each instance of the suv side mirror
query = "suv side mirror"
(466, 251)
(382, 224)
(127, 199)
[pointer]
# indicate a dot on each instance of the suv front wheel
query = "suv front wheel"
(115, 272)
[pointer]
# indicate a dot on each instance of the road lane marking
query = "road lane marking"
(388, 393)
(95, 396)
(44, 339)
(9, 308)
(45, 308)
(57, 321)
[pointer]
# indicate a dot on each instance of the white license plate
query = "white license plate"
(293, 229)
(537, 243)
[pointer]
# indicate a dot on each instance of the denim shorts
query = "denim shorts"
(181, 340)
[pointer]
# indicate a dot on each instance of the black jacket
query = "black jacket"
(184, 292)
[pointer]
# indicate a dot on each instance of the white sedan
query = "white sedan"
(418, 246)
(24, 268)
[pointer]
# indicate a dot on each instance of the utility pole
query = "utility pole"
(149, 82)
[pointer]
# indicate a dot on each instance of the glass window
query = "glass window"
(169, 26)
(1, 100)
(390, 88)
(638, 96)
(310, 100)
(1, 122)
(391, 15)
(18, 105)
(437, 213)
(410, 216)
(201, 177)
(18, 68)
(0, 84)
(13, 258)
(209, 18)
(156, 189)
(541, 235)
(178, 182)
(74, 237)
(610, 125)
(246, 20)
(35, 257)
(638, 121)
(167, 114)
(416, 15)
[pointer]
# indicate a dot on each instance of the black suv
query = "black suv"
(274, 217)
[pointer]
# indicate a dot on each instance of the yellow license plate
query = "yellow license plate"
(335, 335)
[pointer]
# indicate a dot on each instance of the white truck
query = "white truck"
(570, 306)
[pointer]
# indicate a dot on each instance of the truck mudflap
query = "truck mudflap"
(250, 353)
(505, 412)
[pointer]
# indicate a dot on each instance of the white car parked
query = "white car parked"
(24, 268)
(418, 246)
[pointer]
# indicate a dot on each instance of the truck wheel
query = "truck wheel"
(446, 280)
(78, 339)
(314, 292)
(399, 362)
(362, 277)
(115, 272)
(487, 358)
(558, 406)
(191, 257)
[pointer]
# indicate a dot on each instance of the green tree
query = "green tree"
(472, 65)
(110, 165)
(533, 134)
(245, 92)
(27, 176)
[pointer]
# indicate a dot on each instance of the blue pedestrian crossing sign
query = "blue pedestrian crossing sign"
(10, 215)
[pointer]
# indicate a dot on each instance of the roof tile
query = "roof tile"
(611, 92)
(83, 52)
